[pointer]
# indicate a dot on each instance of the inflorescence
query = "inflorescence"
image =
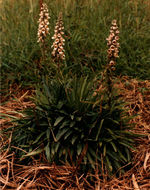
(43, 28)
(112, 42)
(59, 42)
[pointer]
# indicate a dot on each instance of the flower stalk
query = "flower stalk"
(58, 52)
(43, 29)
(113, 45)
(40, 3)
(112, 55)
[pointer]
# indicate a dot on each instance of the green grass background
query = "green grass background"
(87, 24)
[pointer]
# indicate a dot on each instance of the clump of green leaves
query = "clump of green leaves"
(69, 125)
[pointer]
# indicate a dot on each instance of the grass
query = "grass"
(86, 28)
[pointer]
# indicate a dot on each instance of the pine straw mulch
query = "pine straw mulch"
(44, 176)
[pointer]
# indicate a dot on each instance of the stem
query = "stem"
(40, 2)
(109, 86)
(43, 49)
(59, 70)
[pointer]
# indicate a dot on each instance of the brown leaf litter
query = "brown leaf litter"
(37, 176)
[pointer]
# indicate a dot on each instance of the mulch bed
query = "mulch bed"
(44, 176)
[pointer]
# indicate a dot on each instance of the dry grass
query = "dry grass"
(44, 176)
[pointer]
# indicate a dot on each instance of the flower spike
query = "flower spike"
(58, 52)
(113, 45)
(43, 28)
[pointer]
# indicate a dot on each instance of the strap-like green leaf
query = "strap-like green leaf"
(83, 88)
(58, 120)
(127, 145)
(109, 163)
(91, 160)
(104, 150)
(68, 134)
(99, 129)
(79, 149)
(38, 138)
(47, 151)
(74, 138)
(33, 153)
(114, 146)
(61, 133)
